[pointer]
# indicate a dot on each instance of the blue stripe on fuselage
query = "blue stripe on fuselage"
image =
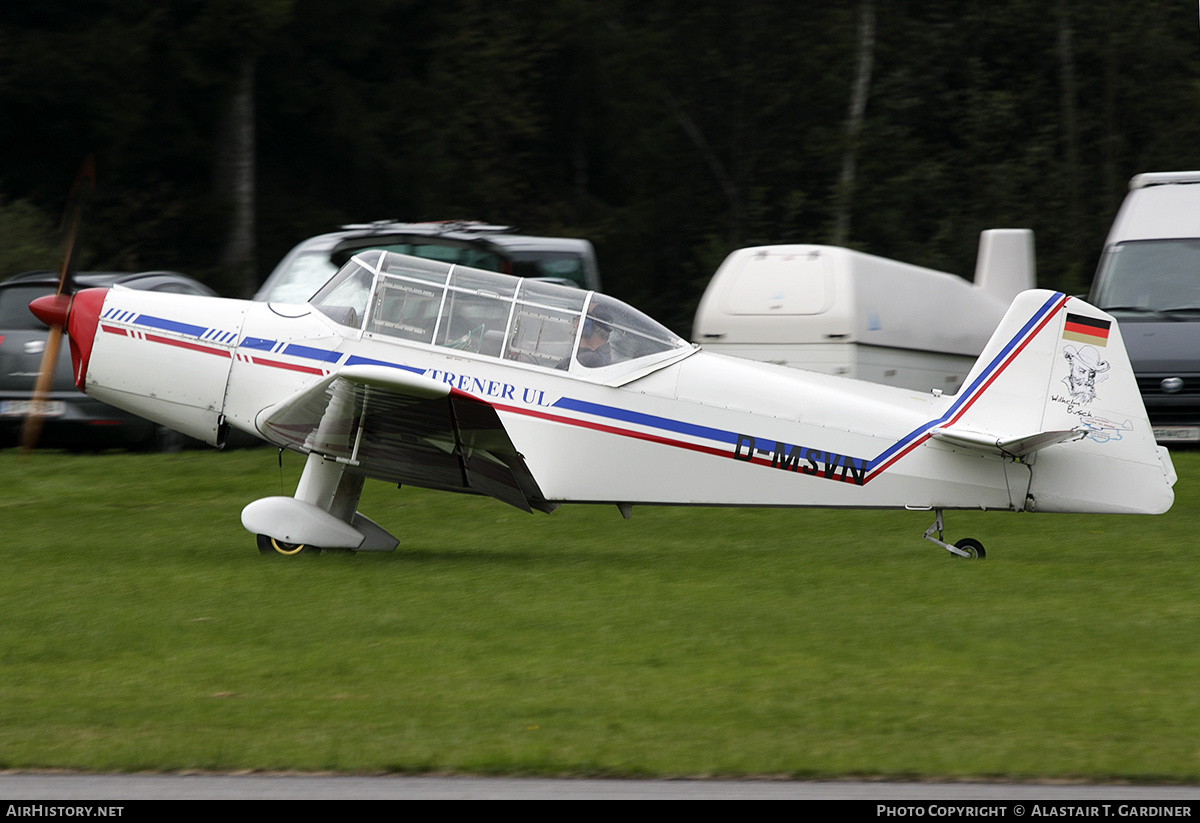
(170, 325)
(355, 360)
(649, 420)
(257, 343)
(310, 353)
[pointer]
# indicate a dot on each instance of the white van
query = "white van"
(1148, 279)
(833, 310)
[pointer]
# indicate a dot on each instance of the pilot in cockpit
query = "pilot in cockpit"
(594, 350)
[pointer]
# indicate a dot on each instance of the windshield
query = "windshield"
(1149, 276)
(344, 298)
(620, 333)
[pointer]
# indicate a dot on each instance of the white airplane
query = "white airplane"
(418, 372)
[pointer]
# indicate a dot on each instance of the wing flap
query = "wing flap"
(405, 428)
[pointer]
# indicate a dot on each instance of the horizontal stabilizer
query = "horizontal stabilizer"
(1008, 446)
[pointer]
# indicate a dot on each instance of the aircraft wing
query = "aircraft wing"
(403, 427)
(1008, 446)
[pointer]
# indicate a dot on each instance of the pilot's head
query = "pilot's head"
(598, 322)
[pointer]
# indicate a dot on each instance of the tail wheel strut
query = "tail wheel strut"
(968, 547)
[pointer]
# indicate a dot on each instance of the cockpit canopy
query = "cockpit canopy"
(495, 315)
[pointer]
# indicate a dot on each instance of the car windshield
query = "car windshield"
(558, 265)
(496, 315)
(1149, 277)
(303, 276)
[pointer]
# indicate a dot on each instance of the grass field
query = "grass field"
(141, 630)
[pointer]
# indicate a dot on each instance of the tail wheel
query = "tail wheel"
(972, 547)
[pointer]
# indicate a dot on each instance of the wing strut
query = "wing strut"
(458, 446)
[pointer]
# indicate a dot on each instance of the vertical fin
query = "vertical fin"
(1056, 363)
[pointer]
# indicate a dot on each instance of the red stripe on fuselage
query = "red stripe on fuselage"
(276, 364)
(711, 451)
(601, 427)
(185, 344)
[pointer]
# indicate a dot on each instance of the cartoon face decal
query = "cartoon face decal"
(1086, 370)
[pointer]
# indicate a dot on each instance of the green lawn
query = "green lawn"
(142, 630)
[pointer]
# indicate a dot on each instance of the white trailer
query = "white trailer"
(837, 311)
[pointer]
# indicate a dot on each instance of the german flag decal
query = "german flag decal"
(1086, 330)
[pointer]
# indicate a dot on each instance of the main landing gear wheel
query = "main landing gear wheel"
(972, 547)
(269, 545)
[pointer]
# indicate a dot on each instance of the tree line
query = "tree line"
(667, 132)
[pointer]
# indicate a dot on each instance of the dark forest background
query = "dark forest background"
(668, 133)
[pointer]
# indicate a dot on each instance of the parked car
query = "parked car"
(308, 266)
(73, 420)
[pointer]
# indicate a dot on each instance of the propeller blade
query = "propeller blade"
(81, 192)
(77, 202)
(31, 429)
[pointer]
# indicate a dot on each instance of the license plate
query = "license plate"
(20, 408)
(1177, 434)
